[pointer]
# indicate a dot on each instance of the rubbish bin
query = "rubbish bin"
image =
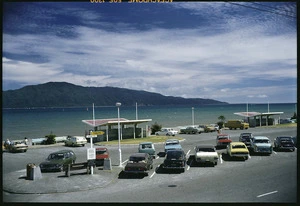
(29, 170)
(107, 164)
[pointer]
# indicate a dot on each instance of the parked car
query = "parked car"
(172, 144)
(189, 130)
(57, 160)
(246, 138)
(139, 163)
(234, 124)
(101, 154)
(75, 141)
(17, 146)
(295, 140)
(208, 128)
(166, 132)
(238, 149)
(206, 154)
(175, 159)
(147, 147)
(284, 143)
(222, 140)
(286, 121)
(261, 144)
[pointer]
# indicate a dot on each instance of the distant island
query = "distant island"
(63, 94)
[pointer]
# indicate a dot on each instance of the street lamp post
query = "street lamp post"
(118, 104)
(193, 119)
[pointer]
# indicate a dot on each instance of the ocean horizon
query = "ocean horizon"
(61, 121)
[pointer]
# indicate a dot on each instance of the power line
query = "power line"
(251, 7)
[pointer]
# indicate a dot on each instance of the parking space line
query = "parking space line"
(124, 161)
(269, 193)
(157, 157)
(274, 152)
(188, 153)
(221, 160)
(152, 174)
(249, 157)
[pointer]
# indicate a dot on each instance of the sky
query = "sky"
(235, 52)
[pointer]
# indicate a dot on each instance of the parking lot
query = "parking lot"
(261, 178)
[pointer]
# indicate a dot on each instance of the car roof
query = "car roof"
(62, 151)
(205, 146)
(139, 155)
(172, 140)
(260, 137)
(146, 143)
(101, 148)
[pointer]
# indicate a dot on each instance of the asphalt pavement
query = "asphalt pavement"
(18, 183)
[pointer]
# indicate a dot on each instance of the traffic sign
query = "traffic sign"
(97, 133)
(91, 136)
(91, 154)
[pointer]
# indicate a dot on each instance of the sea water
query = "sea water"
(38, 122)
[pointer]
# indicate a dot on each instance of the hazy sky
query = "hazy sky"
(235, 52)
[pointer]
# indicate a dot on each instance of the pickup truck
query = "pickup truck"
(139, 163)
(206, 154)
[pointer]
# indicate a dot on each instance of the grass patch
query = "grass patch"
(282, 125)
(153, 139)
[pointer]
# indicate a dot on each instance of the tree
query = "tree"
(222, 121)
(155, 128)
(50, 139)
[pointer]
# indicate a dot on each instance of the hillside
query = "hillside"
(62, 94)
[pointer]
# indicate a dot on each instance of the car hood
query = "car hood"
(263, 144)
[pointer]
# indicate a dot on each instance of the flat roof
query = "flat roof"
(114, 121)
(253, 114)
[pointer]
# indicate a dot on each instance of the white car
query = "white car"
(261, 144)
(206, 154)
(166, 132)
(75, 141)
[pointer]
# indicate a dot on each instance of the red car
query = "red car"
(223, 140)
(101, 154)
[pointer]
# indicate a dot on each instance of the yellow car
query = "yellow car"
(238, 149)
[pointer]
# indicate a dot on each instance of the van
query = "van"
(233, 124)
(75, 141)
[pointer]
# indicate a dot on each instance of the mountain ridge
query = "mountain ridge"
(63, 94)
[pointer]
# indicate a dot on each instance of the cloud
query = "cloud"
(187, 62)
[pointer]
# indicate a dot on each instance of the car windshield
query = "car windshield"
(262, 141)
(238, 146)
(172, 143)
(206, 150)
(146, 146)
(56, 156)
(136, 159)
(285, 140)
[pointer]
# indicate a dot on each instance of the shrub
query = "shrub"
(155, 128)
(50, 139)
